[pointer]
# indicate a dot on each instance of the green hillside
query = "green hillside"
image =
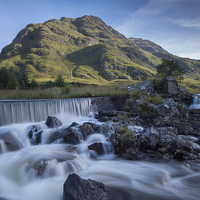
(85, 47)
(156, 52)
(86, 50)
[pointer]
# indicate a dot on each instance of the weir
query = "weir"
(21, 111)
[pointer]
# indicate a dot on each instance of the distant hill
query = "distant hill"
(85, 49)
(191, 66)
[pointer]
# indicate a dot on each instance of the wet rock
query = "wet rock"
(183, 147)
(76, 188)
(133, 154)
(116, 141)
(74, 124)
(183, 142)
(150, 138)
(89, 128)
(72, 137)
(53, 122)
(37, 138)
(62, 132)
(166, 139)
(33, 129)
(97, 147)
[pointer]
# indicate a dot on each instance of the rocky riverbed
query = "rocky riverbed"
(142, 126)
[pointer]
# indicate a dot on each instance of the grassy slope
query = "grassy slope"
(93, 51)
(154, 53)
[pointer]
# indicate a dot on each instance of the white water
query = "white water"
(196, 102)
(38, 110)
(19, 180)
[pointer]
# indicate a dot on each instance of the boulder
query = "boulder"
(166, 139)
(76, 188)
(89, 128)
(62, 132)
(150, 138)
(37, 138)
(170, 85)
(72, 137)
(53, 122)
(184, 147)
(97, 147)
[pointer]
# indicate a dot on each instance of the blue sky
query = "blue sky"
(173, 24)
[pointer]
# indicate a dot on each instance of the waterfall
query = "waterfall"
(3, 148)
(196, 102)
(12, 112)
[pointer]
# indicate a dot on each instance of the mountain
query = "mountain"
(84, 49)
(191, 66)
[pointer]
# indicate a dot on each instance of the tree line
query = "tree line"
(12, 79)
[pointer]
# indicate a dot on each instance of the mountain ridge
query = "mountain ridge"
(83, 49)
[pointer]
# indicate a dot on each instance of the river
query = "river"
(20, 179)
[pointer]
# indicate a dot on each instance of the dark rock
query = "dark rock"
(37, 138)
(69, 135)
(97, 147)
(150, 138)
(166, 139)
(53, 122)
(133, 154)
(76, 188)
(32, 129)
(89, 128)
(170, 85)
(73, 124)
(106, 115)
(72, 137)
(116, 141)
(183, 147)
(182, 142)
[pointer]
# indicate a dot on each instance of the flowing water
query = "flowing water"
(196, 102)
(22, 176)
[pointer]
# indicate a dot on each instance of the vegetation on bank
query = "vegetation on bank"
(60, 93)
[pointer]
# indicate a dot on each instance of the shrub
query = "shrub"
(126, 133)
(155, 99)
(66, 90)
(60, 81)
(158, 84)
(34, 84)
(146, 108)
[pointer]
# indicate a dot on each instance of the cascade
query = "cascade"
(39, 171)
(196, 102)
(3, 148)
(38, 110)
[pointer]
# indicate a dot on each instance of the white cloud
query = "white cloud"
(182, 47)
(187, 23)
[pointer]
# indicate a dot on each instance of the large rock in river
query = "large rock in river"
(53, 122)
(76, 188)
(150, 138)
